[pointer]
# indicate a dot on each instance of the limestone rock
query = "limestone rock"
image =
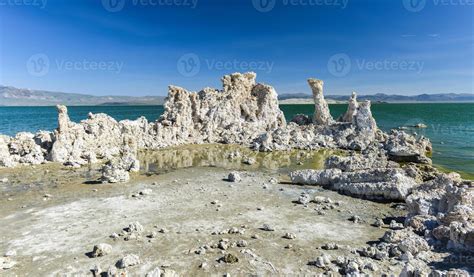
(229, 259)
(242, 112)
(234, 177)
(413, 244)
(359, 161)
(101, 249)
(6, 160)
(268, 228)
(135, 227)
(301, 119)
(128, 261)
(403, 147)
(451, 203)
(315, 177)
(321, 261)
(461, 236)
(114, 172)
(237, 114)
(24, 149)
(352, 108)
(322, 116)
(415, 268)
(6, 263)
(364, 120)
(373, 184)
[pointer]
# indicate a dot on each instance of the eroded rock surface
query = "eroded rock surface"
(352, 108)
(443, 207)
(372, 184)
(243, 112)
(322, 116)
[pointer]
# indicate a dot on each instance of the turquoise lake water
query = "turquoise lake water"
(450, 126)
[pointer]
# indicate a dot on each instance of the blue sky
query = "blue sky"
(369, 46)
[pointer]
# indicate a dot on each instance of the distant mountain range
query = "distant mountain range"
(391, 98)
(11, 96)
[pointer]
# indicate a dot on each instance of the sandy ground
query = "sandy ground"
(51, 217)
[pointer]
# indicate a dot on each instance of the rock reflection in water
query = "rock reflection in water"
(230, 157)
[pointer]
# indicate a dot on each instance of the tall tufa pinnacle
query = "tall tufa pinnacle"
(322, 116)
(351, 109)
(63, 119)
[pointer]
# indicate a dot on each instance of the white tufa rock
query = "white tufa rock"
(352, 108)
(322, 116)
(234, 177)
(128, 261)
(373, 184)
(101, 249)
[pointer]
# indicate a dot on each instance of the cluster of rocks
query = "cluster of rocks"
(134, 231)
(237, 114)
(344, 265)
(442, 211)
(243, 112)
(322, 203)
(440, 206)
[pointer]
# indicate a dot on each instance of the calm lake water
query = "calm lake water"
(450, 126)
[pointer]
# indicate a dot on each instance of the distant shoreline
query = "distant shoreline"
(300, 101)
(15, 97)
(330, 102)
(281, 102)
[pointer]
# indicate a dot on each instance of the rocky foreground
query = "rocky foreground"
(376, 166)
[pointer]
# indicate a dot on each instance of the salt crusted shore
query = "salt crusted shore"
(375, 166)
